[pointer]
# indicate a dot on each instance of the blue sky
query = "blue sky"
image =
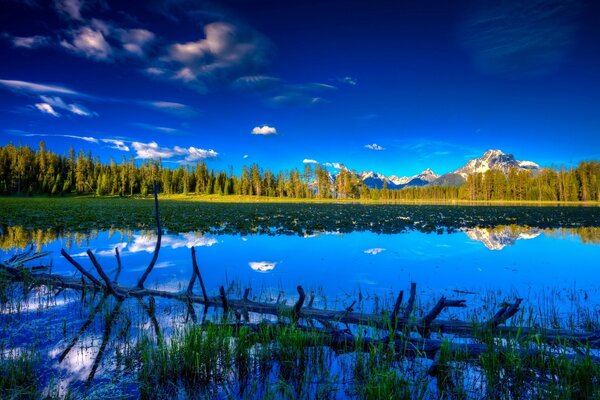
(394, 87)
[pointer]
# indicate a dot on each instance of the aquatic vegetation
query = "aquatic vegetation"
(88, 213)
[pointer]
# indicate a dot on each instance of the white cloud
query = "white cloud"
(151, 150)
(30, 42)
(374, 251)
(72, 8)
(147, 243)
(196, 154)
(86, 138)
(263, 266)
(264, 130)
(309, 161)
(76, 109)
(190, 154)
(116, 144)
(164, 129)
(173, 108)
(225, 52)
(245, 156)
(135, 41)
(374, 146)
(47, 109)
(35, 87)
(89, 42)
(335, 165)
(348, 80)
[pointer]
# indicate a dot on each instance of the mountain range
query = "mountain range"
(491, 159)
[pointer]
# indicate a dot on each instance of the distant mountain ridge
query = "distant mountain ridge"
(490, 160)
(376, 180)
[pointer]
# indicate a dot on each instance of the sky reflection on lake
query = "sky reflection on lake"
(505, 258)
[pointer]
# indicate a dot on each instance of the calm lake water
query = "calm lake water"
(558, 265)
(505, 258)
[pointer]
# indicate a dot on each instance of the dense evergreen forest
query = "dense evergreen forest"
(26, 171)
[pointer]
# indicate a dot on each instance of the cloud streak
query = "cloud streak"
(519, 38)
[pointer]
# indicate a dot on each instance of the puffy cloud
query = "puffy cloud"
(374, 146)
(309, 161)
(151, 150)
(264, 130)
(225, 52)
(89, 42)
(181, 154)
(135, 41)
(245, 156)
(30, 42)
(23, 86)
(46, 109)
(195, 154)
(263, 266)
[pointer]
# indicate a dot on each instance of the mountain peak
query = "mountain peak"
(496, 160)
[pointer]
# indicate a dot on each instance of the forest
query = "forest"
(26, 171)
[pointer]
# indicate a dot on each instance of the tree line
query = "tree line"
(24, 170)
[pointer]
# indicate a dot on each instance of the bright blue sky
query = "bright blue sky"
(432, 84)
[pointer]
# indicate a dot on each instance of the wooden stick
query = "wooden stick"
(140, 284)
(224, 299)
(411, 300)
(80, 268)
(396, 309)
(299, 303)
(118, 256)
(102, 274)
(198, 275)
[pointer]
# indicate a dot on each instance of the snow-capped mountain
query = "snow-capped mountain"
(499, 239)
(495, 160)
(491, 159)
(376, 180)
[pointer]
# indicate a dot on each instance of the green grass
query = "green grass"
(18, 374)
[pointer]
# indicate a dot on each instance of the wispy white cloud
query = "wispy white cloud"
(309, 161)
(374, 146)
(335, 165)
(264, 130)
(46, 109)
(164, 129)
(69, 8)
(173, 108)
(31, 87)
(116, 144)
(73, 108)
(245, 156)
(29, 42)
(374, 251)
(348, 80)
(516, 38)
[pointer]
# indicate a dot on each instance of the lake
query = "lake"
(554, 268)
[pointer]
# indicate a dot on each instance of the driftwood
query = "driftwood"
(400, 321)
